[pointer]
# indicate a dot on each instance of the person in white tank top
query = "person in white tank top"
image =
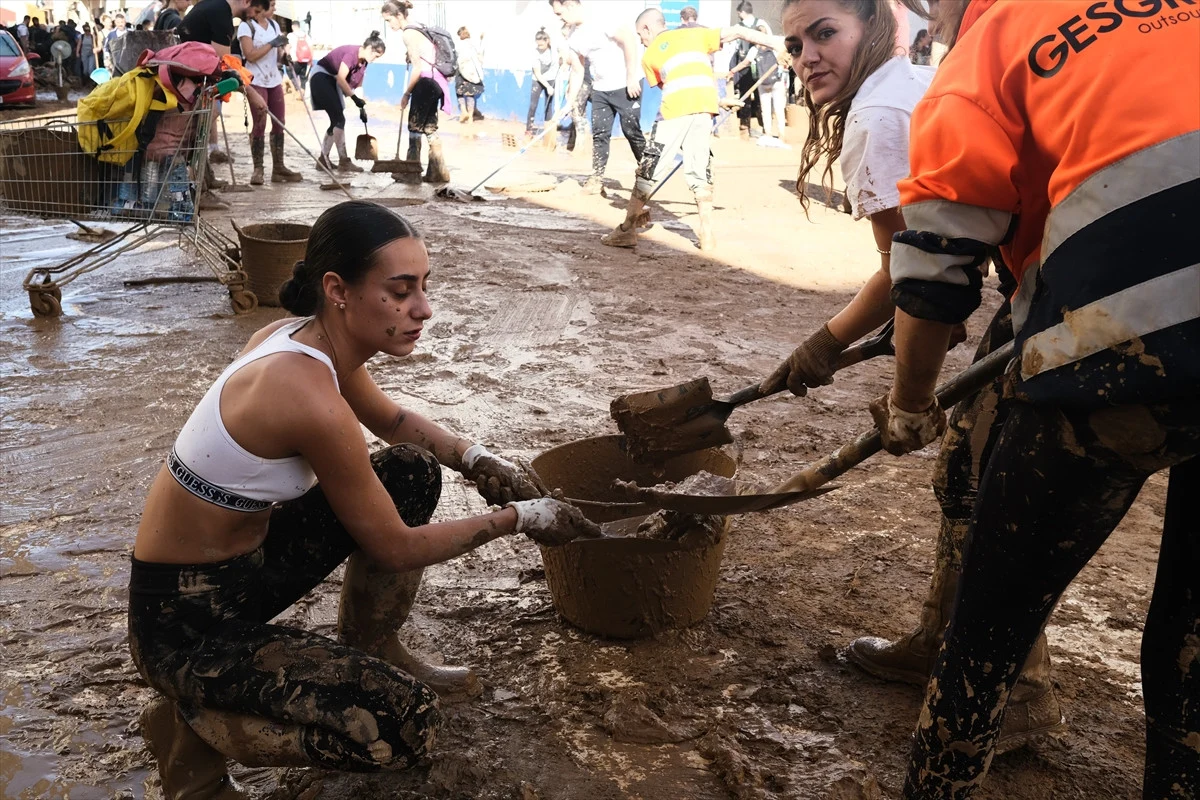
(269, 487)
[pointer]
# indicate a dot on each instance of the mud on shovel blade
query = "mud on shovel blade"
(811, 481)
(680, 419)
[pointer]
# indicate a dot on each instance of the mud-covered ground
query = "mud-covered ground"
(537, 327)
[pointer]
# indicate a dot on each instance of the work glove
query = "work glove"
(499, 480)
(552, 522)
(811, 364)
(362, 115)
(358, 101)
(279, 41)
(905, 431)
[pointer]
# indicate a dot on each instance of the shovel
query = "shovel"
(809, 482)
(662, 423)
(365, 146)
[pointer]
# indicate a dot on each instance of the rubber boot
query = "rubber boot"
(188, 767)
(249, 740)
(344, 163)
(437, 171)
(279, 171)
(910, 658)
(375, 603)
(257, 146)
(704, 204)
(414, 148)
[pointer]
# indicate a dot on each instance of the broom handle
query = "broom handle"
(296, 139)
(552, 125)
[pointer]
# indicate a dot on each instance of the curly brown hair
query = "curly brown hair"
(827, 123)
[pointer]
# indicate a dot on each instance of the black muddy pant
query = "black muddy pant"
(423, 106)
(606, 105)
(1056, 482)
(200, 634)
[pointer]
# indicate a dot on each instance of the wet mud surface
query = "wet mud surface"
(537, 327)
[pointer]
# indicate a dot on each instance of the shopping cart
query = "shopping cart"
(45, 173)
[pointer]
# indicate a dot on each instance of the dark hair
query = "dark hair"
(745, 7)
(688, 13)
(263, 4)
(375, 42)
(396, 8)
(463, 33)
(343, 240)
(116, 16)
(541, 35)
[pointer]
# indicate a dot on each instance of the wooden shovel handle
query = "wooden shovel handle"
(878, 345)
(958, 388)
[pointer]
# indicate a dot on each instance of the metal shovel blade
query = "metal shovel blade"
(366, 148)
(718, 504)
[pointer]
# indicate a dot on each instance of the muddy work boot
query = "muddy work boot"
(595, 185)
(1033, 710)
(279, 171)
(344, 165)
(437, 171)
(910, 658)
(210, 202)
(188, 767)
(257, 148)
(624, 235)
(375, 603)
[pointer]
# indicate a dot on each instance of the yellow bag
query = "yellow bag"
(112, 114)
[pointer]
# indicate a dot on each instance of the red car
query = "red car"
(16, 76)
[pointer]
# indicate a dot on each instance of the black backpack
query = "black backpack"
(445, 55)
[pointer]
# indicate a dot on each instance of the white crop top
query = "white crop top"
(211, 465)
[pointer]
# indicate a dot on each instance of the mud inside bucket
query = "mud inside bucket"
(625, 587)
(269, 252)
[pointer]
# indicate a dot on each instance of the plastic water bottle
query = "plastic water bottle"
(150, 185)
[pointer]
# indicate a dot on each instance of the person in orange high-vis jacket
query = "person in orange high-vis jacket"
(1067, 134)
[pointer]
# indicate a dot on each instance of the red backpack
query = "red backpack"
(179, 64)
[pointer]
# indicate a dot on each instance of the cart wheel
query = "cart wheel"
(244, 301)
(45, 303)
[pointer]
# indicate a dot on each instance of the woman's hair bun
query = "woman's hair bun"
(374, 35)
(296, 293)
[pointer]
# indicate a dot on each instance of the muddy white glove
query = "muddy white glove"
(551, 522)
(499, 480)
(905, 431)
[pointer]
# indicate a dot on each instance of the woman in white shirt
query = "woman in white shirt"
(546, 63)
(469, 86)
(262, 41)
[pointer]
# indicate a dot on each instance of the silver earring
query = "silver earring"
(342, 306)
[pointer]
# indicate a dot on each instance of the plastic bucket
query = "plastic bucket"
(269, 252)
(627, 588)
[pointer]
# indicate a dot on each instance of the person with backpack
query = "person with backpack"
(171, 17)
(469, 84)
(302, 56)
(432, 58)
(262, 40)
(334, 78)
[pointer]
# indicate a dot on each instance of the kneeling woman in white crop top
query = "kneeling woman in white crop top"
(268, 489)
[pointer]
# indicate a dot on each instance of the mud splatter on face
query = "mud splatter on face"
(391, 331)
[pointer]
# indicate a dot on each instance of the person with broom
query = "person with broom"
(259, 501)
(262, 42)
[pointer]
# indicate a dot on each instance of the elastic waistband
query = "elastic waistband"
(206, 490)
(153, 578)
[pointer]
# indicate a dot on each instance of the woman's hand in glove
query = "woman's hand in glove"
(358, 101)
(551, 522)
(499, 480)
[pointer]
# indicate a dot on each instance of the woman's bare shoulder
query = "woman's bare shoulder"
(262, 333)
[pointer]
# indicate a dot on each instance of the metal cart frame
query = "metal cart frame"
(45, 173)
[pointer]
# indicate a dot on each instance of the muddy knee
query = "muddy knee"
(413, 478)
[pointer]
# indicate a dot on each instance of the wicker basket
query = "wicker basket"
(269, 252)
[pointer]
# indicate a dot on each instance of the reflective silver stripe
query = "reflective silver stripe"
(680, 59)
(690, 82)
(1133, 178)
(1158, 303)
(952, 221)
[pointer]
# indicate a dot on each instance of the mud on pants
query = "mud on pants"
(1056, 484)
(605, 106)
(201, 634)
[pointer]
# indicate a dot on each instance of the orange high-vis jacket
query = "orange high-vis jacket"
(1051, 129)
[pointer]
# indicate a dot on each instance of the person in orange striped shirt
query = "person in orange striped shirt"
(680, 61)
